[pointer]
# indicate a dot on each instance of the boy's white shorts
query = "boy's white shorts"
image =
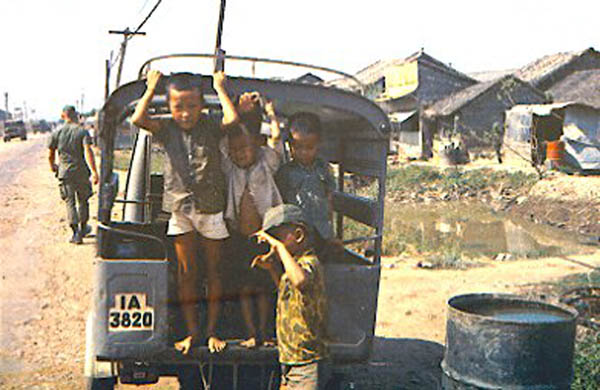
(211, 226)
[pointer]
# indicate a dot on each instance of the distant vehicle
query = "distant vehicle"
(14, 129)
(41, 127)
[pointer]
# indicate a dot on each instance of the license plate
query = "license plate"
(130, 313)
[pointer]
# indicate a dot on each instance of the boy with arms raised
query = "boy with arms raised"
(249, 168)
(301, 298)
(194, 190)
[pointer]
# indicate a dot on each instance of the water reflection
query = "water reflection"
(472, 230)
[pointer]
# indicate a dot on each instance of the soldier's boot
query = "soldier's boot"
(76, 237)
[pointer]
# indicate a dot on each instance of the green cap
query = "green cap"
(284, 213)
(68, 108)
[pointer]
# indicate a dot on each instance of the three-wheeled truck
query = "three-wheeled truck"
(135, 318)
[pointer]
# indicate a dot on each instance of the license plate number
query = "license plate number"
(130, 313)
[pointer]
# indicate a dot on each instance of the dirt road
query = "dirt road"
(46, 284)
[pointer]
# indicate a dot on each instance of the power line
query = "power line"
(143, 6)
(145, 19)
(127, 35)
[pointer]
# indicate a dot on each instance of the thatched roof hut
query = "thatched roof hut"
(580, 87)
(431, 79)
(479, 106)
(545, 72)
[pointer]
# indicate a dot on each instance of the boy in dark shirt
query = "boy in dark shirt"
(306, 180)
(301, 299)
(194, 190)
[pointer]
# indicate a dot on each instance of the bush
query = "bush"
(586, 363)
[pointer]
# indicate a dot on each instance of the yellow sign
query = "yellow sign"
(400, 80)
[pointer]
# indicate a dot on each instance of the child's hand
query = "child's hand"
(248, 100)
(219, 79)
(152, 79)
(265, 261)
(270, 109)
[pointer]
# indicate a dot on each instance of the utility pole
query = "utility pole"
(107, 79)
(6, 103)
(126, 36)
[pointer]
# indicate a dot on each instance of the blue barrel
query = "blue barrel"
(499, 341)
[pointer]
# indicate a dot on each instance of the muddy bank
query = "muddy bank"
(567, 202)
(577, 216)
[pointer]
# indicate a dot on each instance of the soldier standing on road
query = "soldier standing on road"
(72, 171)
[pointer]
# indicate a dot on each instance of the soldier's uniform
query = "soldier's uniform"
(73, 172)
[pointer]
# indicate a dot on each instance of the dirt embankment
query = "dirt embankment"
(568, 202)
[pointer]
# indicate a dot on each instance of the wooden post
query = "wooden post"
(425, 136)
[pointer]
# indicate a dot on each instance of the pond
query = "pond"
(470, 229)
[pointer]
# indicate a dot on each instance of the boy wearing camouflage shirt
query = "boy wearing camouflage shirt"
(301, 299)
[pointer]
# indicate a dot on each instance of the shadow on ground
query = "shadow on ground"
(399, 364)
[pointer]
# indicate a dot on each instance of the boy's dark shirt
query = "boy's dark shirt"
(308, 188)
(69, 141)
(302, 315)
(192, 166)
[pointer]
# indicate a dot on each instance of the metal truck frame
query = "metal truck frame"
(130, 329)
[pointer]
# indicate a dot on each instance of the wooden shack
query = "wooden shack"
(475, 109)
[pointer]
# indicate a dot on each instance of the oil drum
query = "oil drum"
(499, 341)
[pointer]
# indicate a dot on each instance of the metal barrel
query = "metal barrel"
(499, 341)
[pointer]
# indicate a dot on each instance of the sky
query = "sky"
(54, 52)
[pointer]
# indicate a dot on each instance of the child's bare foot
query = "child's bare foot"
(249, 343)
(216, 345)
(184, 345)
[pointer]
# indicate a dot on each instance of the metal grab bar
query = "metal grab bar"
(132, 201)
(251, 59)
(360, 239)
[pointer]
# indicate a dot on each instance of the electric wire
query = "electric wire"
(145, 19)
(131, 35)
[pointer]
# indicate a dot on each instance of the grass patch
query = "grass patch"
(450, 258)
(586, 359)
(586, 363)
(121, 159)
(419, 179)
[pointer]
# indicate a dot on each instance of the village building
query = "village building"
(530, 128)
(579, 87)
(549, 70)
(572, 81)
(402, 87)
(473, 111)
